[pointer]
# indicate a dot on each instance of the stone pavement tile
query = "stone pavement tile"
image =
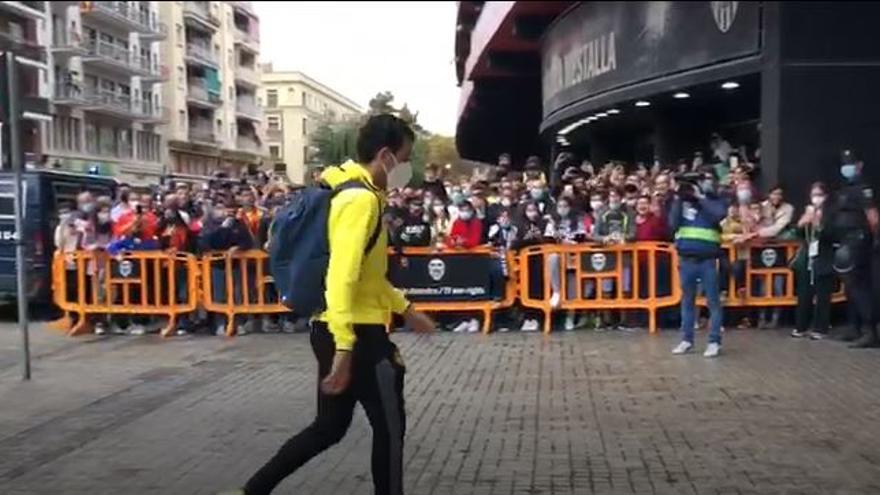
(499, 414)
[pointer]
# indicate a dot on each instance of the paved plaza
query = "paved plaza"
(574, 413)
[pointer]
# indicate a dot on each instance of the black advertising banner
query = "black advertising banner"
(598, 46)
(442, 278)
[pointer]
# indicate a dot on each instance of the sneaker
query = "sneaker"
(817, 336)
(569, 321)
(683, 347)
(555, 300)
(473, 326)
(100, 328)
(797, 334)
(180, 332)
(137, 330)
(461, 327)
(503, 329)
(712, 350)
(220, 331)
(288, 327)
(117, 330)
(530, 326)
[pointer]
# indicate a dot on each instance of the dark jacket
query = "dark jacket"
(414, 232)
(530, 233)
(215, 237)
(436, 188)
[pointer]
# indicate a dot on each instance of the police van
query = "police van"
(44, 191)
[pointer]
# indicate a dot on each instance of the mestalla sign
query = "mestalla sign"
(599, 46)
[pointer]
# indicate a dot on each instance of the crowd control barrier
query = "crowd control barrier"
(759, 275)
(636, 276)
(239, 283)
(87, 283)
(459, 281)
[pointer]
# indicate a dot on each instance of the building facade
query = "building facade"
(106, 75)
(214, 121)
(24, 31)
(295, 106)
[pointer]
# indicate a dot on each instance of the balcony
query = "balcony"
(249, 144)
(109, 103)
(247, 41)
(121, 15)
(68, 43)
(69, 93)
(203, 133)
(152, 72)
(12, 38)
(199, 15)
(31, 10)
(198, 95)
(247, 76)
(112, 57)
(245, 7)
(201, 55)
(247, 108)
(148, 113)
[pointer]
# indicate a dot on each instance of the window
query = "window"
(272, 98)
(273, 122)
(231, 57)
(232, 131)
(178, 28)
(181, 77)
(181, 119)
(304, 98)
(274, 152)
(219, 126)
(231, 93)
(305, 154)
(305, 127)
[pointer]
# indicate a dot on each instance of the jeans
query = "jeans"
(694, 270)
(497, 280)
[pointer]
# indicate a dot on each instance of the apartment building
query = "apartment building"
(106, 76)
(23, 30)
(215, 123)
(295, 106)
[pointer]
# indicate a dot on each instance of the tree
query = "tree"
(335, 143)
(381, 103)
(441, 149)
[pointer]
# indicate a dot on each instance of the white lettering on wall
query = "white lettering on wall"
(580, 64)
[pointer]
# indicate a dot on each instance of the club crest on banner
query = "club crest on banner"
(598, 261)
(436, 269)
(125, 268)
(768, 257)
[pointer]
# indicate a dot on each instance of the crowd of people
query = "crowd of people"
(505, 206)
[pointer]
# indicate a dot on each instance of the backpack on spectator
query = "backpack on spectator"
(299, 247)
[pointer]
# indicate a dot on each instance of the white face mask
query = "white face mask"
(595, 205)
(817, 200)
(744, 195)
(399, 176)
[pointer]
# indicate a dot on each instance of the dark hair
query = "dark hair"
(777, 187)
(504, 155)
(819, 185)
(382, 131)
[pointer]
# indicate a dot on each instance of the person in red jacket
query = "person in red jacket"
(649, 227)
(467, 230)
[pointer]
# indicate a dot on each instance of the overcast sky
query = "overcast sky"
(362, 48)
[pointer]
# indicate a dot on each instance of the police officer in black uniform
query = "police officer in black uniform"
(855, 220)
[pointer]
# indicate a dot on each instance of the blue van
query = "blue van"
(44, 192)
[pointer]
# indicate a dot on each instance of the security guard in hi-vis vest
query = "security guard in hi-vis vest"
(855, 222)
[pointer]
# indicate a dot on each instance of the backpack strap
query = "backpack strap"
(356, 184)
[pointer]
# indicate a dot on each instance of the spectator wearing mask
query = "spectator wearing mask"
(433, 184)
(249, 213)
(137, 228)
(615, 225)
(225, 233)
(649, 225)
(123, 203)
(438, 218)
(467, 229)
(813, 268)
(415, 231)
(538, 195)
(173, 228)
(530, 232)
(776, 216)
(597, 207)
(567, 228)
(534, 171)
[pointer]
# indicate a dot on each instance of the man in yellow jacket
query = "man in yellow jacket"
(357, 363)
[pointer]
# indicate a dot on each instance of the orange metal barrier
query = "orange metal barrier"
(763, 263)
(239, 283)
(630, 271)
(88, 283)
(485, 306)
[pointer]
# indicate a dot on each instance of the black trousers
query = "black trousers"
(377, 384)
(820, 312)
(859, 297)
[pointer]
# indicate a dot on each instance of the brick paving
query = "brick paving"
(575, 413)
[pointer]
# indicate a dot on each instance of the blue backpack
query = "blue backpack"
(299, 247)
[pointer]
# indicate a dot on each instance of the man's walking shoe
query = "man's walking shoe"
(683, 347)
(100, 328)
(569, 321)
(555, 300)
(797, 334)
(529, 326)
(817, 336)
(461, 327)
(137, 330)
(712, 350)
(868, 341)
(473, 326)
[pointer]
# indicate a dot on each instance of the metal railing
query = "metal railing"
(109, 51)
(246, 37)
(201, 10)
(69, 91)
(202, 132)
(249, 107)
(201, 53)
(109, 100)
(67, 38)
(247, 144)
(274, 134)
(247, 74)
(198, 91)
(146, 22)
